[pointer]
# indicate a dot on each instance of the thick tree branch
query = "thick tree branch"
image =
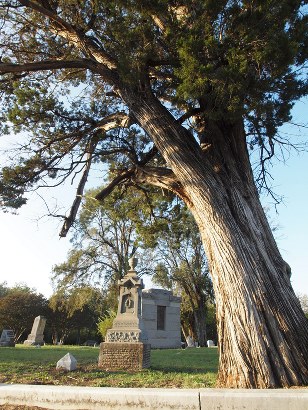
(126, 175)
(118, 119)
(123, 176)
(188, 115)
(160, 22)
(73, 36)
(74, 209)
(112, 121)
(43, 65)
(158, 176)
(148, 156)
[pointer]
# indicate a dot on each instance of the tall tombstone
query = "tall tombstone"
(36, 337)
(126, 346)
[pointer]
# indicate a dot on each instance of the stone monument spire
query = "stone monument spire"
(128, 324)
(125, 346)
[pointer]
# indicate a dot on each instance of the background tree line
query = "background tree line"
(69, 319)
(158, 228)
(151, 224)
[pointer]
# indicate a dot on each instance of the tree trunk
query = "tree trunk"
(200, 324)
(262, 330)
(197, 303)
(262, 333)
(18, 334)
(55, 337)
(78, 337)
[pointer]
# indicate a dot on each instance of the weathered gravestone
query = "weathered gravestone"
(7, 338)
(210, 343)
(36, 337)
(126, 346)
(68, 362)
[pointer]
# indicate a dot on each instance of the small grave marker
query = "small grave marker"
(68, 362)
(7, 338)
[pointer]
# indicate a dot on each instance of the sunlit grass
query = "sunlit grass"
(189, 368)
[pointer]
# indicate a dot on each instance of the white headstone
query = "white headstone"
(68, 362)
(210, 343)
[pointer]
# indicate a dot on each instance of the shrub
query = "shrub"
(105, 323)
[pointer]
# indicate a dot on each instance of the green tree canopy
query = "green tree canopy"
(75, 310)
(3, 289)
(19, 307)
(159, 229)
(106, 236)
(208, 60)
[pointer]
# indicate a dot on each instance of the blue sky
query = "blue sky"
(30, 245)
(292, 221)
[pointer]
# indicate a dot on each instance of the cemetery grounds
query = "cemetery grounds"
(170, 368)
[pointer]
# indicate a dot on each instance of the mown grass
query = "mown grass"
(189, 368)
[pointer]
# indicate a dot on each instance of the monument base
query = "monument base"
(7, 344)
(34, 342)
(124, 356)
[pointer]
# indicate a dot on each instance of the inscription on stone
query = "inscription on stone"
(129, 337)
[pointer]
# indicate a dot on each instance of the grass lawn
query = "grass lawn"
(189, 368)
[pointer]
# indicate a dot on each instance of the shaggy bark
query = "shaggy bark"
(262, 331)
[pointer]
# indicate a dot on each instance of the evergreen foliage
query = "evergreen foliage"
(220, 60)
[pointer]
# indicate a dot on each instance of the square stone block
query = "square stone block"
(115, 356)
